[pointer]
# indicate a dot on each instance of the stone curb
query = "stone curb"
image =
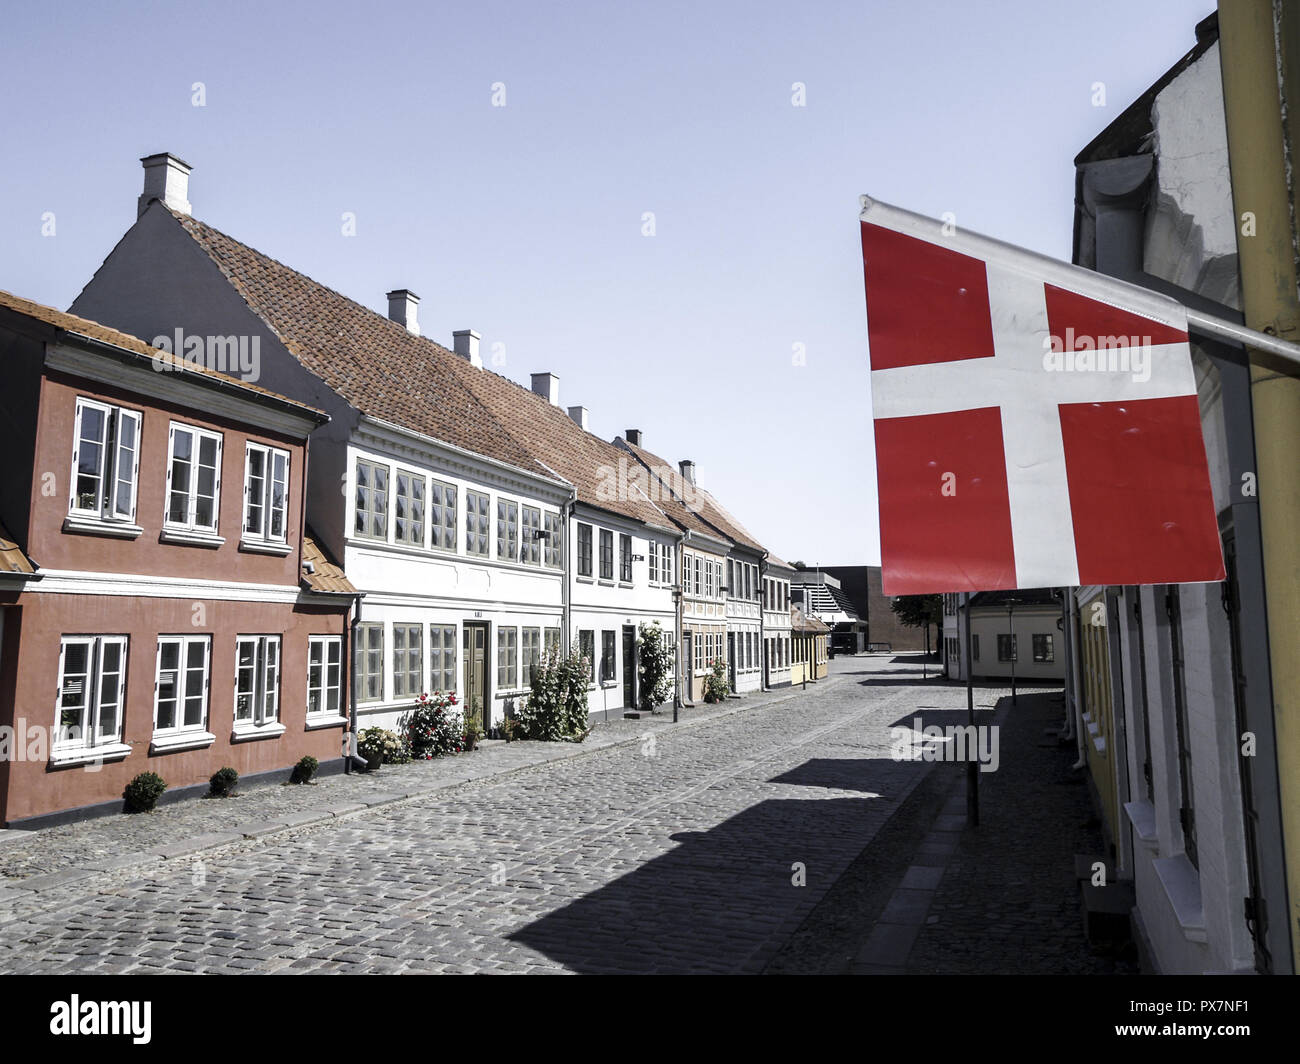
(12, 890)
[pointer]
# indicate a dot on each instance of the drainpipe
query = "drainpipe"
(351, 759)
(1260, 55)
(1080, 730)
(566, 590)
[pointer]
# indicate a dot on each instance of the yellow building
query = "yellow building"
(809, 647)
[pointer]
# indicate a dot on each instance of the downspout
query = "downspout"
(1259, 56)
(351, 758)
(566, 590)
(1079, 730)
(762, 609)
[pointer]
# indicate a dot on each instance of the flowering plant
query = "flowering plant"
(716, 685)
(433, 726)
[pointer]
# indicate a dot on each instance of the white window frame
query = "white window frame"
(320, 649)
(509, 530)
(478, 524)
(530, 528)
(191, 523)
(590, 560)
(552, 540)
(530, 655)
(264, 720)
(408, 678)
(439, 650)
(507, 658)
(443, 534)
(370, 511)
(414, 480)
(181, 734)
(269, 457)
(108, 473)
(361, 661)
(89, 744)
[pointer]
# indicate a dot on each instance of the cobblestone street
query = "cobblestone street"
(701, 847)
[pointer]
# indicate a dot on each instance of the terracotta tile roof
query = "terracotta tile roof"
(373, 363)
(772, 559)
(325, 574)
(705, 511)
(668, 476)
(555, 440)
(92, 330)
(13, 562)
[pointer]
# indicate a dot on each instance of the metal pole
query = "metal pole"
(972, 765)
(1014, 649)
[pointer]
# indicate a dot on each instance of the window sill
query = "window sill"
(191, 538)
(313, 723)
(585, 579)
(88, 755)
(94, 526)
(626, 585)
(1182, 885)
(177, 741)
(261, 546)
(244, 732)
(1142, 815)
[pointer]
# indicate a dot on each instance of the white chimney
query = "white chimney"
(166, 178)
(688, 470)
(579, 415)
(465, 343)
(547, 385)
(402, 307)
(633, 436)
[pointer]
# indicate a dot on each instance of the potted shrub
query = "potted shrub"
(304, 770)
(223, 782)
(143, 792)
(379, 746)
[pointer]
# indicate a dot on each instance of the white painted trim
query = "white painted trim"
(81, 582)
(260, 546)
(96, 527)
(173, 742)
(86, 755)
(190, 539)
(242, 733)
(315, 723)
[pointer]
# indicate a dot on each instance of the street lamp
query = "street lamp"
(677, 687)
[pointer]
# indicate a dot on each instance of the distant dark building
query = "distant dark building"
(865, 621)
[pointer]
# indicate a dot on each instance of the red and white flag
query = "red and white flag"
(1036, 423)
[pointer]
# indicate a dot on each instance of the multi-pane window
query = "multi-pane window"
(371, 500)
(1007, 647)
(551, 641)
(266, 493)
(408, 655)
(749, 581)
(408, 508)
(442, 515)
(507, 530)
(699, 568)
(92, 683)
(477, 529)
(507, 658)
(733, 591)
(530, 654)
(708, 578)
(554, 553)
(718, 585)
(442, 657)
(607, 656)
(257, 680)
(181, 686)
(584, 550)
(1043, 650)
(193, 478)
(606, 554)
(324, 676)
(105, 461)
(699, 651)
(625, 557)
(666, 566)
(587, 647)
(532, 523)
(652, 555)
(368, 660)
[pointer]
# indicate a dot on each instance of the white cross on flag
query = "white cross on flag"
(1036, 423)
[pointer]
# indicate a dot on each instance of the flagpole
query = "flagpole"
(1058, 272)
(972, 766)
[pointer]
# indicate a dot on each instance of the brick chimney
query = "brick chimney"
(402, 307)
(633, 436)
(166, 178)
(688, 470)
(579, 415)
(547, 385)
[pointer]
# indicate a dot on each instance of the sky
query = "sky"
(657, 202)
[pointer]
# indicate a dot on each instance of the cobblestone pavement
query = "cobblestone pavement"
(1008, 901)
(700, 847)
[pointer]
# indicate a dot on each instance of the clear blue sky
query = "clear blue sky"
(525, 222)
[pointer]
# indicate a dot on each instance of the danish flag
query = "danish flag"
(1036, 424)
